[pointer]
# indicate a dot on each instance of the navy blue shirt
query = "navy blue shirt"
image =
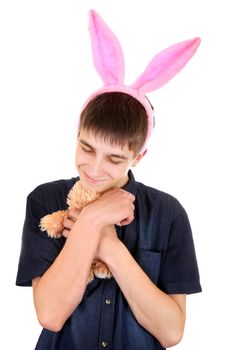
(159, 239)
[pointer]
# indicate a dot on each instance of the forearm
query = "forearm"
(156, 311)
(61, 288)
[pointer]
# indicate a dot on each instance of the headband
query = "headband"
(109, 62)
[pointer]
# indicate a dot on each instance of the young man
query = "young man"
(142, 234)
(150, 254)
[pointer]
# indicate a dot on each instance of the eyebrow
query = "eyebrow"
(115, 155)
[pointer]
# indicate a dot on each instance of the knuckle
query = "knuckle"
(68, 223)
(65, 233)
(65, 222)
(73, 212)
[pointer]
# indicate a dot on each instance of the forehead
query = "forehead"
(102, 145)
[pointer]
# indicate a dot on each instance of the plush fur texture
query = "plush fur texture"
(78, 198)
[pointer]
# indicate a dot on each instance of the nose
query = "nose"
(96, 168)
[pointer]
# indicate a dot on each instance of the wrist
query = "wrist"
(114, 250)
(92, 218)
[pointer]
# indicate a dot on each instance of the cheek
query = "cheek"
(81, 158)
(77, 159)
(118, 171)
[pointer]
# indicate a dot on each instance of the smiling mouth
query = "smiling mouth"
(93, 181)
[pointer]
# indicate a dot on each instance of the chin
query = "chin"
(97, 188)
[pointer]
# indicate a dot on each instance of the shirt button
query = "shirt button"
(104, 344)
(108, 301)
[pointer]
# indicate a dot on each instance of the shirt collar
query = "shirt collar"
(130, 186)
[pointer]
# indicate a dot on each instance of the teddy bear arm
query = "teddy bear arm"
(53, 223)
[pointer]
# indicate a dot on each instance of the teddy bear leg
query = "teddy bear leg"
(91, 275)
(101, 270)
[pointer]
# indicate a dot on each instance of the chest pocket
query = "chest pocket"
(149, 261)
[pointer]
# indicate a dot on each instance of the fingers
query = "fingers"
(116, 192)
(72, 217)
(73, 214)
(68, 223)
(114, 206)
(127, 202)
(131, 197)
(65, 233)
(129, 218)
(127, 221)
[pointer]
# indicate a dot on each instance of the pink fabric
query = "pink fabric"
(107, 53)
(109, 62)
(166, 65)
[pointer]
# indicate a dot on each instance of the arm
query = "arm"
(160, 314)
(60, 290)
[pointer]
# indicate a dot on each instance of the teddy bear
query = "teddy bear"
(78, 197)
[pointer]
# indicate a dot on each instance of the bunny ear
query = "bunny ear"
(165, 65)
(107, 53)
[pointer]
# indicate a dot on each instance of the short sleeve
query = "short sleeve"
(38, 250)
(179, 272)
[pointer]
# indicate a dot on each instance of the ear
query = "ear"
(107, 53)
(138, 158)
(166, 65)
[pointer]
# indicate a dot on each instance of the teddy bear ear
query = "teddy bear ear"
(107, 52)
(165, 65)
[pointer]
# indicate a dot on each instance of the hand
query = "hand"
(68, 223)
(114, 207)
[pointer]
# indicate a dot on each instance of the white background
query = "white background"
(46, 73)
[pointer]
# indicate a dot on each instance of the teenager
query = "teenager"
(141, 233)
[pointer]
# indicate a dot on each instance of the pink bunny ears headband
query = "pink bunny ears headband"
(109, 62)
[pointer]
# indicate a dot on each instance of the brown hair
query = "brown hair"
(117, 118)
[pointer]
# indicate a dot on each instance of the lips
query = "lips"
(93, 181)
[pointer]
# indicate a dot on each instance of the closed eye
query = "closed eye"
(88, 150)
(114, 161)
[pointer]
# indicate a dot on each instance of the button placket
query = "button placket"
(107, 313)
(104, 344)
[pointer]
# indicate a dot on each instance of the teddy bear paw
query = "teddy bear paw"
(101, 270)
(53, 223)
